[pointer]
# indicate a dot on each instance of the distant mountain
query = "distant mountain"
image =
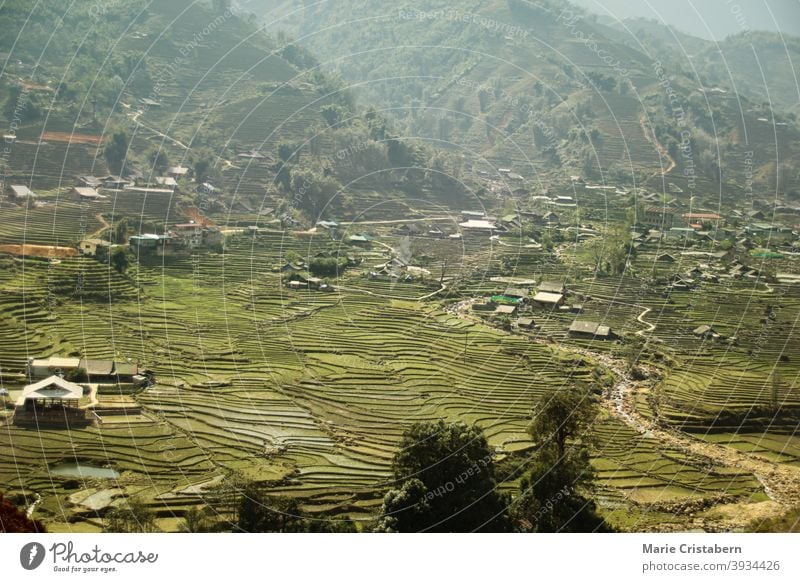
(553, 90)
(709, 19)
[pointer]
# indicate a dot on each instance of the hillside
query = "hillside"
(552, 91)
(270, 240)
(188, 83)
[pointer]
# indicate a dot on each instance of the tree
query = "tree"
(312, 190)
(445, 482)
(552, 493)
(327, 266)
(288, 152)
(116, 151)
(77, 375)
(14, 520)
(201, 167)
(119, 260)
(132, 517)
(197, 520)
(159, 160)
(333, 114)
(261, 513)
(561, 415)
(120, 233)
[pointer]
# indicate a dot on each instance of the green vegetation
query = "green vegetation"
(445, 483)
(280, 406)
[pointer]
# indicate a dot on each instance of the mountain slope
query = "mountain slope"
(550, 90)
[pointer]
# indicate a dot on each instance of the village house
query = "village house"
(177, 171)
(706, 332)
(526, 323)
(511, 221)
(152, 244)
(87, 193)
(590, 329)
(474, 226)
(90, 182)
(505, 310)
(251, 155)
(41, 368)
(517, 293)
(98, 371)
(299, 281)
(548, 300)
(657, 217)
(193, 235)
(166, 182)
(52, 401)
(94, 247)
(551, 218)
(552, 287)
(680, 233)
(701, 220)
(359, 240)
(21, 194)
(116, 183)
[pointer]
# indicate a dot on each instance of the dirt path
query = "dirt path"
(640, 319)
(104, 226)
(195, 214)
(652, 139)
(781, 482)
(50, 252)
(135, 119)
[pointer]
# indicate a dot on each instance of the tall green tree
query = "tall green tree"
(119, 260)
(445, 482)
(561, 415)
(116, 151)
(555, 494)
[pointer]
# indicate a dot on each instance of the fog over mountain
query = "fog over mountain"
(709, 19)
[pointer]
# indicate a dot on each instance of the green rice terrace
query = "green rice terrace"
(309, 390)
(277, 275)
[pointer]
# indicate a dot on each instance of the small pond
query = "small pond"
(83, 471)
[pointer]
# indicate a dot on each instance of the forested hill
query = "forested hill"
(547, 87)
(132, 86)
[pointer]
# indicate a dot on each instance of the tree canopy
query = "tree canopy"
(445, 482)
(554, 494)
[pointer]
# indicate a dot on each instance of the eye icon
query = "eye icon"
(31, 555)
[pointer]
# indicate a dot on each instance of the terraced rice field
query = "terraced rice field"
(307, 390)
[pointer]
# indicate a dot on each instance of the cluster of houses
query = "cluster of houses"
(180, 239)
(51, 399)
(523, 303)
(397, 270)
(666, 222)
(89, 188)
(92, 188)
